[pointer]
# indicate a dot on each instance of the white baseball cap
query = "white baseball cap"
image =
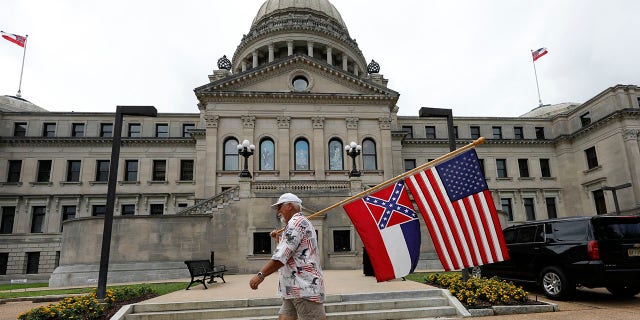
(288, 197)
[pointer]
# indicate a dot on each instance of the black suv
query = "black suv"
(561, 254)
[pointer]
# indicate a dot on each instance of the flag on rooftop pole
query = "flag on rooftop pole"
(459, 212)
(535, 56)
(21, 41)
(389, 229)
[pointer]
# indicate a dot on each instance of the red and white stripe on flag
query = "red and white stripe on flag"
(17, 39)
(458, 210)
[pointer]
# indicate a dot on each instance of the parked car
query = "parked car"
(562, 254)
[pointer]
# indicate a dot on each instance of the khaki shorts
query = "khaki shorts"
(302, 309)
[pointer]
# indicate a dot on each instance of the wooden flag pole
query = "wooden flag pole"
(402, 176)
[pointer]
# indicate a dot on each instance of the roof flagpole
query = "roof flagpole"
(24, 53)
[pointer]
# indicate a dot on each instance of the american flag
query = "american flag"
(539, 53)
(458, 210)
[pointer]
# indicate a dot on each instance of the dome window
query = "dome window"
(300, 83)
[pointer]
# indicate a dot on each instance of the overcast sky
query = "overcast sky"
(473, 56)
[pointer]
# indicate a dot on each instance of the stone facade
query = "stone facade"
(300, 95)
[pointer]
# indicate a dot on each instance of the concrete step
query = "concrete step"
(389, 305)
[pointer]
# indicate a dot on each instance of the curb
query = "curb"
(506, 310)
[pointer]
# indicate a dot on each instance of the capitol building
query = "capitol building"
(299, 88)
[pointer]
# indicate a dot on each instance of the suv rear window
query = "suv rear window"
(570, 230)
(617, 228)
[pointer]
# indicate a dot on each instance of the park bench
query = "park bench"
(203, 270)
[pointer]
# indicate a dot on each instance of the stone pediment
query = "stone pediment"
(275, 81)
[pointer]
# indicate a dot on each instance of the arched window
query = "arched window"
(267, 154)
(301, 159)
(230, 155)
(369, 161)
(335, 154)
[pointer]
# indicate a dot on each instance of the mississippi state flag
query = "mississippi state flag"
(389, 229)
(19, 40)
(458, 210)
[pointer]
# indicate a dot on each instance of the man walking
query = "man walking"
(296, 259)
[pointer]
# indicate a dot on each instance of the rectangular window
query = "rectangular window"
(6, 222)
(68, 213)
(15, 167)
(98, 210)
(507, 208)
(156, 209)
(77, 130)
(409, 131)
(102, 170)
(135, 130)
(545, 168)
(131, 170)
(481, 162)
(523, 165)
(540, 133)
(48, 129)
(599, 200)
(33, 262)
(186, 170)
(73, 170)
(585, 119)
(552, 212)
(106, 130)
(501, 166)
(409, 164)
(162, 130)
(430, 132)
(128, 209)
(159, 170)
(37, 219)
(529, 209)
(518, 133)
(455, 132)
(4, 261)
(44, 171)
(475, 132)
(497, 132)
(186, 128)
(20, 129)
(261, 243)
(592, 157)
(341, 240)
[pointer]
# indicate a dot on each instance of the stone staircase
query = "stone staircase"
(421, 304)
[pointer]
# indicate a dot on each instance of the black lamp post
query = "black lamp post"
(442, 113)
(615, 196)
(353, 150)
(146, 111)
(246, 150)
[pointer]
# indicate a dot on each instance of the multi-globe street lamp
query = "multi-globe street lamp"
(353, 150)
(246, 149)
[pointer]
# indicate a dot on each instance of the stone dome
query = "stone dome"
(275, 6)
(16, 104)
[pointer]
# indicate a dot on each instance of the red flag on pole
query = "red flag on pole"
(539, 53)
(17, 39)
(458, 210)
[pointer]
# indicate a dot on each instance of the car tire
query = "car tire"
(623, 291)
(555, 284)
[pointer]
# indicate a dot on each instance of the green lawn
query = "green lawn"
(18, 291)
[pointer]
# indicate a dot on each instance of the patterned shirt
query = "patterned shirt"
(300, 275)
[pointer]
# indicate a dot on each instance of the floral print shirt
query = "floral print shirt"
(301, 275)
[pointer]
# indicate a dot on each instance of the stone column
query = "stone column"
(329, 55)
(318, 146)
(310, 49)
(255, 59)
(633, 159)
(385, 150)
(356, 71)
(345, 62)
(283, 147)
(243, 65)
(290, 48)
(207, 158)
(271, 49)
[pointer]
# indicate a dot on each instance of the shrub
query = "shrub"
(479, 291)
(85, 307)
